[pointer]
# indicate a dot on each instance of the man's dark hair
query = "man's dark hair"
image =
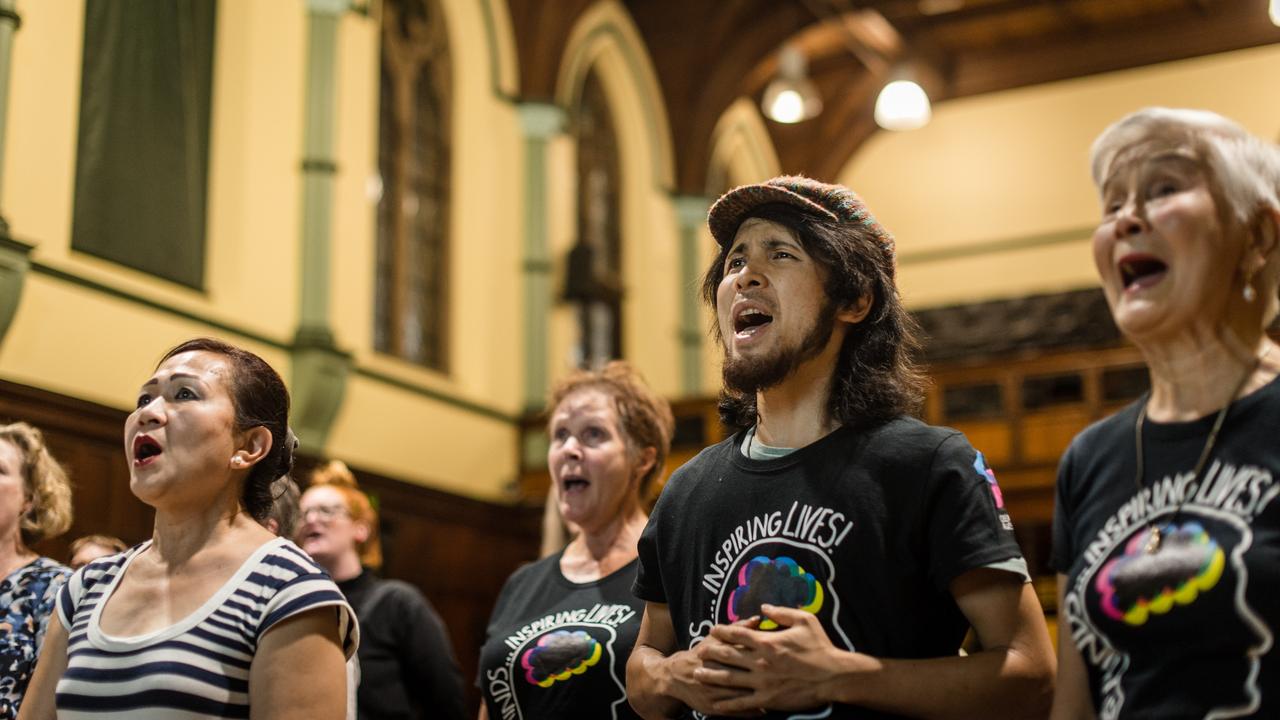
(876, 376)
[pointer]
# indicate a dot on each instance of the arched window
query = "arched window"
(595, 263)
(411, 305)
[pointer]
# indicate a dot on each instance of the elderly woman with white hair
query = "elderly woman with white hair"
(1167, 528)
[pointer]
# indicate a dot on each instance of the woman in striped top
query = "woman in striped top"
(214, 617)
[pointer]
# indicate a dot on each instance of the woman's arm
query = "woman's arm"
(299, 672)
(1072, 701)
(39, 702)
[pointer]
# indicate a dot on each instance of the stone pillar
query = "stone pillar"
(15, 256)
(540, 122)
(320, 369)
(691, 213)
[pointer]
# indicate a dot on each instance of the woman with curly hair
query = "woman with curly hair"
(35, 504)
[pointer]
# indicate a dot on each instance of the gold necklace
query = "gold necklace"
(1155, 536)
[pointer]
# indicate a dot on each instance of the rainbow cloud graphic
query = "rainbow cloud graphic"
(778, 581)
(560, 655)
(980, 464)
(1137, 584)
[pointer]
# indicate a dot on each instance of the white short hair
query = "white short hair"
(1246, 168)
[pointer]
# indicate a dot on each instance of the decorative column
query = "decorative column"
(691, 213)
(15, 256)
(320, 369)
(541, 122)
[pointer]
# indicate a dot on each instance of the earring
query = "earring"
(1249, 293)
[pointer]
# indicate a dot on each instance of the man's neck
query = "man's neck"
(794, 413)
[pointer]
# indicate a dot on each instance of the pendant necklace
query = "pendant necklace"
(1155, 535)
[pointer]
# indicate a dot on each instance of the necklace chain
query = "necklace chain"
(1155, 536)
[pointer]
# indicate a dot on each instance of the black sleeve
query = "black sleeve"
(1063, 552)
(648, 585)
(431, 674)
(967, 526)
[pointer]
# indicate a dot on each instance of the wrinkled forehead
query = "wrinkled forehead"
(1124, 161)
(586, 401)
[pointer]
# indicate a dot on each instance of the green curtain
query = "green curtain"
(142, 163)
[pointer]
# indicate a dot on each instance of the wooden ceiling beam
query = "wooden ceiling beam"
(1234, 26)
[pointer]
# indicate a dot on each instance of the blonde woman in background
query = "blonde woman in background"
(35, 504)
(407, 665)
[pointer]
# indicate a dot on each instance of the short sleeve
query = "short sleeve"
(308, 592)
(69, 595)
(968, 527)
(1063, 552)
(648, 585)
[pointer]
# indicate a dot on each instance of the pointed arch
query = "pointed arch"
(606, 39)
(741, 149)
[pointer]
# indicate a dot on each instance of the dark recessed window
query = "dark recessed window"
(411, 302)
(596, 260)
(142, 156)
(1050, 390)
(969, 402)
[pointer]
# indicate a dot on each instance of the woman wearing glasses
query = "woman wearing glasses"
(407, 667)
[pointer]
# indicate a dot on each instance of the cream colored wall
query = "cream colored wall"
(606, 41)
(1011, 167)
(77, 341)
(250, 239)
(406, 434)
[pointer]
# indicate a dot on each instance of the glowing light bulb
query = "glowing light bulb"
(903, 105)
(788, 107)
(1275, 12)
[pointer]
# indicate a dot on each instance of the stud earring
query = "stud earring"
(1249, 293)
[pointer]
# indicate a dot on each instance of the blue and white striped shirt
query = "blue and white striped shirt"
(199, 666)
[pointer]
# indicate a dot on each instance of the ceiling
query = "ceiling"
(708, 53)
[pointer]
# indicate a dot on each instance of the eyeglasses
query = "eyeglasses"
(324, 512)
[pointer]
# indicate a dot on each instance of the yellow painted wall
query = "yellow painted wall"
(74, 340)
(1014, 165)
(605, 41)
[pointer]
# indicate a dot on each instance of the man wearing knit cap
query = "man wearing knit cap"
(826, 560)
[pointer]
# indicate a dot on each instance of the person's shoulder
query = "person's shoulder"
(283, 559)
(1108, 429)
(906, 439)
(49, 570)
(707, 460)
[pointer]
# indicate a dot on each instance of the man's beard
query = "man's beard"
(751, 375)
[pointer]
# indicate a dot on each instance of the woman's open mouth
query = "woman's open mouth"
(145, 450)
(1139, 271)
(574, 484)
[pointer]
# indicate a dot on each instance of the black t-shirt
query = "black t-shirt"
(1186, 632)
(557, 649)
(864, 529)
(407, 667)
